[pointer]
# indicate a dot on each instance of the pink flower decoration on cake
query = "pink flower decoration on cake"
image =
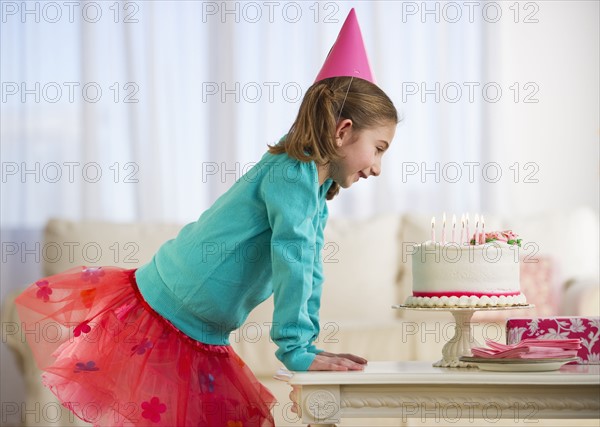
(44, 290)
(93, 274)
(153, 409)
(501, 236)
(495, 235)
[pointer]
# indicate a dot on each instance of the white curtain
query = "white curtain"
(132, 111)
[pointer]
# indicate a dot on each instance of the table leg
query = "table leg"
(318, 405)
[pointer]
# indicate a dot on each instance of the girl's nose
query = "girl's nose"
(376, 169)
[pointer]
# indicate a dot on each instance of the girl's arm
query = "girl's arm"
(314, 303)
(288, 191)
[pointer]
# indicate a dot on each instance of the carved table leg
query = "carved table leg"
(318, 406)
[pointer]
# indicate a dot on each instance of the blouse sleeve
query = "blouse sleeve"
(291, 200)
(314, 302)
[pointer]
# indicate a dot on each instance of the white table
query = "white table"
(419, 390)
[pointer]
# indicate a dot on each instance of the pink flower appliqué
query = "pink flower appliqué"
(82, 328)
(141, 347)
(153, 409)
(207, 382)
(92, 274)
(124, 310)
(44, 290)
(87, 297)
(85, 367)
(166, 333)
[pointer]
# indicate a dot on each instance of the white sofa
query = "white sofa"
(367, 270)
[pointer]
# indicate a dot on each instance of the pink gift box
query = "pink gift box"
(587, 329)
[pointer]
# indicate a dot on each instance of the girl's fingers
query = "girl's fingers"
(354, 358)
(326, 366)
(334, 363)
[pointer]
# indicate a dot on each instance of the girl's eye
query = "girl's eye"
(379, 150)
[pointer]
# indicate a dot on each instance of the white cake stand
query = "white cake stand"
(463, 341)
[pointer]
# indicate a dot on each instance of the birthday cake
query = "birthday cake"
(483, 272)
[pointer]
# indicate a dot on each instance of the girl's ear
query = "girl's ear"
(343, 131)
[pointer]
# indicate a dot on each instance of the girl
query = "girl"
(150, 346)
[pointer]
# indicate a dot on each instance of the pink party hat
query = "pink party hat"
(347, 56)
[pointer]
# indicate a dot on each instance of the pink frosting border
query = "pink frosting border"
(464, 293)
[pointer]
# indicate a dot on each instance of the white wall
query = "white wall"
(559, 134)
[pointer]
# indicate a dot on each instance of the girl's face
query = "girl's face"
(361, 152)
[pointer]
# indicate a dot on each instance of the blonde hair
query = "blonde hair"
(312, 135)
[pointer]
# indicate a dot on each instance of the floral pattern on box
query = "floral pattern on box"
(587, 329)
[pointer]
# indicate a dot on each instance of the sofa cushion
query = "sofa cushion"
(97, 243)
(570, 238)
(361, 268)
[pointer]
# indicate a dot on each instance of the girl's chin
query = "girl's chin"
(347, 183)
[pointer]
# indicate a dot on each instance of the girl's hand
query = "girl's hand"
(325, 361)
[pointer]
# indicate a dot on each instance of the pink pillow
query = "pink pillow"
(540, 283)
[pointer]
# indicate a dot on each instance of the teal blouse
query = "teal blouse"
(263, 236)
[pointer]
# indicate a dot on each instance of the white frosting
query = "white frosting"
(469, 271)
(465, 301)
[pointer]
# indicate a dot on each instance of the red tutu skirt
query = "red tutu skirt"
(113, 361)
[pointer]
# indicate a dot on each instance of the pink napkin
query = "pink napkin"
(529, 348)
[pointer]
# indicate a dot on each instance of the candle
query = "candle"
(433, 229)
(468, 235)
(482, 238)
(476, 229)
(462, 230)
(444, 228)
(453, 228)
